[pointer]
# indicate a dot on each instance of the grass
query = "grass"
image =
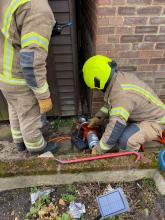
(63, 122)
(148, 184)
(68, 197)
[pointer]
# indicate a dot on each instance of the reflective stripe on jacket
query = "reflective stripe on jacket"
(129, 99)
(25, 31)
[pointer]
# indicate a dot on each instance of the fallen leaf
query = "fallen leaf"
(61, 202)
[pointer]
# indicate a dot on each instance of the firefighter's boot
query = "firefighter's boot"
(20, 146)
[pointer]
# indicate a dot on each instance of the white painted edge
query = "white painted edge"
(9, 183)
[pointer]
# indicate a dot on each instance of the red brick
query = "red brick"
(152, 10)
(150, 54)
(143, 46)
(108, 53)
(154, 38)
(104, 2)
(146, 29)
(125, 30)
(126, 10)
(122, 46)
(101, 39)
(101, 52)
(157, 20)
(128, 68)
(113, 54)
(116, 21)
(131, 38)
(139, 2)
(113, 39)
(118, 2)
(122, 62)
(110, 21)
(147, 68)
(158, 2)
(162, 68)
(138, 61)
(162, 29)
(103, 22)
(135, 20)
(157, 61)
(160, 46)
(105, 47)
(106, 11)
(128, 54)
(106, 30)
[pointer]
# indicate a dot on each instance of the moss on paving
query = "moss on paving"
(163, 174)
(38, 166)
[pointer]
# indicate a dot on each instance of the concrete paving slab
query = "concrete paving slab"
(84, 177)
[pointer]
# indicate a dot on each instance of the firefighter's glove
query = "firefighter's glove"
(97, 150)
(95, 121)
(45, 105)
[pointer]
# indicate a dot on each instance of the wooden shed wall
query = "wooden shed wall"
(61, 64)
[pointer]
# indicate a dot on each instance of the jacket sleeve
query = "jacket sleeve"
(119, 114)
(36, 30)
(103, 112)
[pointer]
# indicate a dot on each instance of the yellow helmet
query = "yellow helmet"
(97, 71)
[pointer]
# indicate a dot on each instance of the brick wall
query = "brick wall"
(133, 33)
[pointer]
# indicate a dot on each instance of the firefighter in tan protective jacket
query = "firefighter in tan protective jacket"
(136, 114)
(25, 31)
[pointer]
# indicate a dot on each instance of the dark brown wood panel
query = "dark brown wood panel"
(66, 89)
(64, 66)
(64, 75)
(66, 95)
(62, 40)
(68, 107)
(62, 49)
(68, 82)
(68, 58)
(62, 17)
(68, 102)
(60, 6)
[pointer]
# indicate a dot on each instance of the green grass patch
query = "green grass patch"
(64, 122)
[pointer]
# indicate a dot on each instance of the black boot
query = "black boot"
(51, 146)
(20, 146)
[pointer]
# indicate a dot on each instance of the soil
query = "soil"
(144, 200)
(8, 151)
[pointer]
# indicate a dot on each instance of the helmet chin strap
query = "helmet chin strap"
(113, 66)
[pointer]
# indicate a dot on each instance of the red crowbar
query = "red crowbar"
(105, 156)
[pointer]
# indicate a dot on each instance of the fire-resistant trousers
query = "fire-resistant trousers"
(136, 134)
(25, 119)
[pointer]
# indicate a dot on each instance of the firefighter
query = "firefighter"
(25, 31)
(136, 115)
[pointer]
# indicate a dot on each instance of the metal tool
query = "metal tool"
(83, 136)
(58, 28)
(99, 157)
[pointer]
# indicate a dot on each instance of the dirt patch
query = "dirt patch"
(8, 150)
(144, 200)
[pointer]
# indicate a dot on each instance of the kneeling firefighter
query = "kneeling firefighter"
(136, 114)
(25, 31)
